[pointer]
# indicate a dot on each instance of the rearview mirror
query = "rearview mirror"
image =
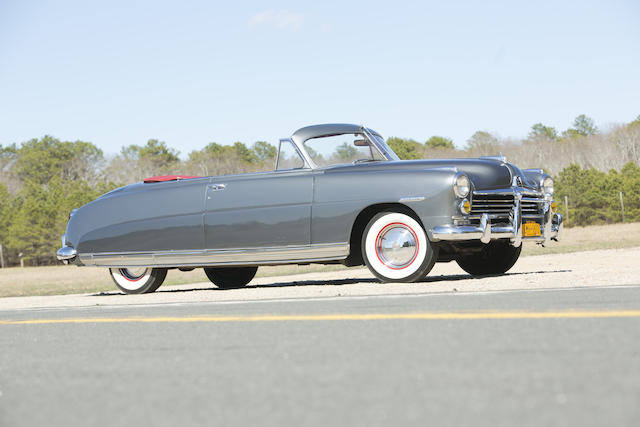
(361, 143)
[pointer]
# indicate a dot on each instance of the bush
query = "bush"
(594, 196)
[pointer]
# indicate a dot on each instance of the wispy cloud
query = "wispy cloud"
(281, 20)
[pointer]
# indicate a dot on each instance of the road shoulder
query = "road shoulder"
(574, 270)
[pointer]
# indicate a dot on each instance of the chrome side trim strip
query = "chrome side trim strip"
(411, 199)
(209, 257)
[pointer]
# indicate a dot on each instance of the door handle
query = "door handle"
(217, 187)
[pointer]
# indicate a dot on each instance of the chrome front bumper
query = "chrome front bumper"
(485, 232)
(66, 254)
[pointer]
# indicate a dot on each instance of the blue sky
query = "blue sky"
(192, 72)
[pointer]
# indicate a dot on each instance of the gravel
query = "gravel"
(571, 270)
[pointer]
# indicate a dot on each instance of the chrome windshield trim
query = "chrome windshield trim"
(385, 151)
(308, 162)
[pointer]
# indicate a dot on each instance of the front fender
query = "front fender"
(339, 197)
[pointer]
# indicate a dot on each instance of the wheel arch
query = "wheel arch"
(361, 221)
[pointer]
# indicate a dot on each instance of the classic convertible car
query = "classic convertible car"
(338, 194)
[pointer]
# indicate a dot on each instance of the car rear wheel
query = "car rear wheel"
(496, 257)
(395, 248)
(230, 277)
(138, 280)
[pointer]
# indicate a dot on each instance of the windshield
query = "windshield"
(341, 149)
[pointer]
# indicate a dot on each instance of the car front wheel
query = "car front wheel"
(395, 248)
(496, 257)
(230, 277)
(138, 280)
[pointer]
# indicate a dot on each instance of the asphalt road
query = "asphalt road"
(545, 357)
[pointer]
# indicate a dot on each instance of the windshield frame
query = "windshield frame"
(377, 140)
(374, 139)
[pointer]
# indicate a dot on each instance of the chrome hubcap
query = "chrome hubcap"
(397, 246)
(133, 273)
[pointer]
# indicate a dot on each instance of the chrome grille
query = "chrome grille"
(494, 204)
(530, 207)
(502, 204)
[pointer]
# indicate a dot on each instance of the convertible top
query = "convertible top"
(328, 129)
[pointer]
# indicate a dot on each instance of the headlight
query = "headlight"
(462, 186)
(547, 185)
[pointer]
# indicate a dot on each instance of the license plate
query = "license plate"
(531, 229)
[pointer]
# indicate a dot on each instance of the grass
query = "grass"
(63, 279)
(578, 239)
(57, 280)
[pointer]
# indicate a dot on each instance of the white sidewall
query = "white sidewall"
(131, 285)
(370, 246)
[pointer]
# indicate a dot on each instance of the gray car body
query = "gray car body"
(290, 216)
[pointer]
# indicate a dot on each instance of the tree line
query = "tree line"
(43, 179)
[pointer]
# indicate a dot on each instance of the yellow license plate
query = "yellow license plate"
(531, 229)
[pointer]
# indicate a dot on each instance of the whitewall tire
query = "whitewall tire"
(138, 280)
(395, 248)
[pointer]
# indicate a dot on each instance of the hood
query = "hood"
(485, 173)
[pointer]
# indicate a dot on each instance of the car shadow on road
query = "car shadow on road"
(341, 282)
(455, 277)
(337, 282)
(428, 279)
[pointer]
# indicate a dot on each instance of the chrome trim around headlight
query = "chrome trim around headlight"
(458, 187)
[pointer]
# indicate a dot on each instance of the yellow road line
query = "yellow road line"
(319, 317)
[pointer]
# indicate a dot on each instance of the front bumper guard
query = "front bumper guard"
(485, 232)
(66, 254)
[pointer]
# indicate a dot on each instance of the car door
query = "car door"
(261, 210)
